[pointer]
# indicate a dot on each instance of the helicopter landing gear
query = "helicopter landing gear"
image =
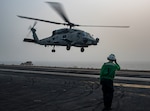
(82, 49)
(53, 50)
(68, 47)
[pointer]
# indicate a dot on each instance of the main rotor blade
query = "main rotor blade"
(58, 23)
(59, 9)
(103, 26)
(34, 24)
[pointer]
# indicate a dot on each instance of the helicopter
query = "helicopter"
(66, 36)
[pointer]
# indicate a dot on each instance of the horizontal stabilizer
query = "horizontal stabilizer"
(29, 40)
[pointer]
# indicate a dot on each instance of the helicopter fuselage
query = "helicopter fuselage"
(65, 37)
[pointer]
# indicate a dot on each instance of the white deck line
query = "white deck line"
(87, 75)
(76, 74)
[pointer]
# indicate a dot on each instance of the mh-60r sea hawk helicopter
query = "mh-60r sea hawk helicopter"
(67, 36)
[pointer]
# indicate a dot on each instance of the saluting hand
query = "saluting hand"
(115, 61)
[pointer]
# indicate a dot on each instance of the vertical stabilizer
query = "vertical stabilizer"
(34, 35)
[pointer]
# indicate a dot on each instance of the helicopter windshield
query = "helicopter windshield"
(88, 35)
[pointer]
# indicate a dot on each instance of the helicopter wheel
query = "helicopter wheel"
(82, 49)
(68, 47)
(53, 50)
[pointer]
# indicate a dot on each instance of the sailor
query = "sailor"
(107, 75)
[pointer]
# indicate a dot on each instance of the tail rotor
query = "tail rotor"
(35, 38)
(31, 27)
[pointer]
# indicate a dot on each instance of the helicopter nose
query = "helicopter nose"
(97, 40)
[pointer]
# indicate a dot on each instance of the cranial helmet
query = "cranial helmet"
(111, 57)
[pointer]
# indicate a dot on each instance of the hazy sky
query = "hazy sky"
(131, 44)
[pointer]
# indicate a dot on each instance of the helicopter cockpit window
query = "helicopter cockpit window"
(89, 35)
(84, 34)
(81, 34)
(64, 36)
(78, 34)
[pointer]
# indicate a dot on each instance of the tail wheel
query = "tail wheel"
(82, 49)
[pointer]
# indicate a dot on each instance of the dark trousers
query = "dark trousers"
(108, 89)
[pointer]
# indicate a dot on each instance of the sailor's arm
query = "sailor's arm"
(118, 66)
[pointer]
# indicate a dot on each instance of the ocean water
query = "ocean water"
(135, 65)
(123, 65)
